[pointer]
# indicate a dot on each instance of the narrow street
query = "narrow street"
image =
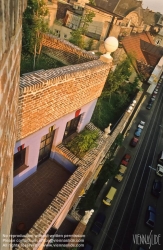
(126, 216)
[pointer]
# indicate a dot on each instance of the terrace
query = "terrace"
(34, 195)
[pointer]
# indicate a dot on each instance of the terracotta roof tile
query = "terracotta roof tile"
(132, 45)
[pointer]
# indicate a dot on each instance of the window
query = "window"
(19, 158)
(71, 126)
(65, 36)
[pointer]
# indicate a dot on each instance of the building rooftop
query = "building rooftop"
(151, 52)
(132, 45)
(150, 17)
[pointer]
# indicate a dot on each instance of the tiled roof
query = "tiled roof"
(151, 52)
(146, 53)
(126, 6)
(132, 45)
(107, 5)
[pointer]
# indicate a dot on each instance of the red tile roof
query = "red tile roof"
(132, 45)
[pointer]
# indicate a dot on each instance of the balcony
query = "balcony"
(34, 195)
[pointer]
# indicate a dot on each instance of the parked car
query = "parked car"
(119, 176)
(150, 217)
(156, 188)
(155, 92)
(87, 246)
(110, 196)
(154, 96)
(134, 142)
(98, 223)
(125, 160)
(159, 170)
(138, 132)
(141, 124)
(160, 158)
(150, 103)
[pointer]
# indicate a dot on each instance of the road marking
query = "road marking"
(152, 168)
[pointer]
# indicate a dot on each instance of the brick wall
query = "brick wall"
(10, 49)
(64, 51)
(49, 95)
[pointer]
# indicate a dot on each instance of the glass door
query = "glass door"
(45, 147)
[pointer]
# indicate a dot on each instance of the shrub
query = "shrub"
(83, 142)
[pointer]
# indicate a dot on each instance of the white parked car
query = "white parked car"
(141, 124)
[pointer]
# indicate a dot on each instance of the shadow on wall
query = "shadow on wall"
(64, 162)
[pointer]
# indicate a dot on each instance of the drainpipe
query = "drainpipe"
(110, 27)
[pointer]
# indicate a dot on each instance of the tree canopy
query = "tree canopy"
(116, 78)
(116, 95)
(77, 35)
(33, 25)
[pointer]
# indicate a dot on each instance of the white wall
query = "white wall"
(32, 142)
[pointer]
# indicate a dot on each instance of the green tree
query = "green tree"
(77, 35)
(87, 18)
(115, 79)
(34, 25)
(92, 2)
(118, 142)
(76, 38)
(130, 88)
(89, 44)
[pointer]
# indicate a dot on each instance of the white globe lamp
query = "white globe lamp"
(110, 44)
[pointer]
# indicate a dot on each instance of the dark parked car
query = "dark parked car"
(156, 188)
(138, 132)
(134, 142)
(151, 217)
(151, 101)
(98, 223)
(87, 246)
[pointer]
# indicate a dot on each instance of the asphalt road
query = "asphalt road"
(126, 216)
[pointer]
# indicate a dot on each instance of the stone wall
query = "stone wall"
(10, 50)
(46, 96)
(64, 51)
